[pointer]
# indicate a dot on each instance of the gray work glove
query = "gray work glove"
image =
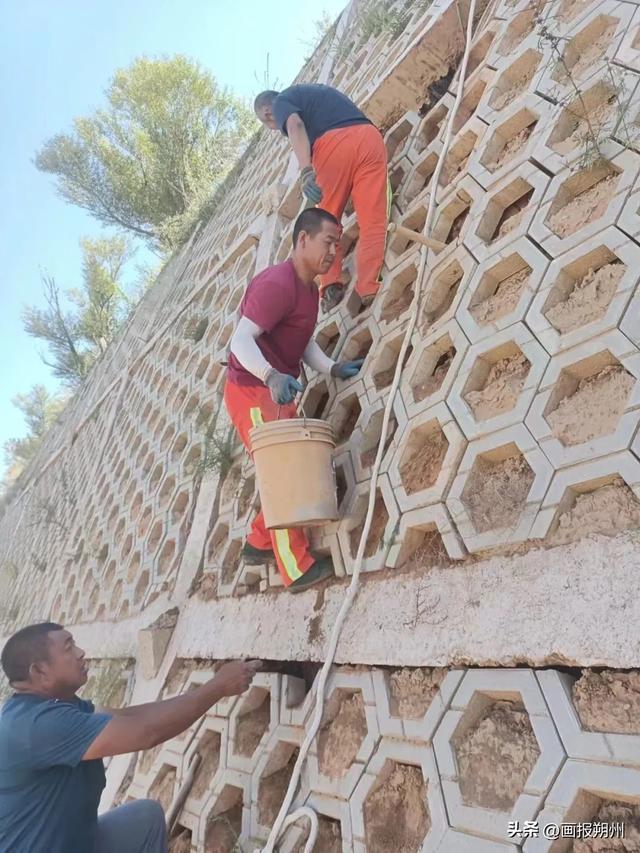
(347, 369)
(283, 387)
(310, 188)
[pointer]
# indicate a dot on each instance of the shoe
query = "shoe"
(332, 296)
(257, 556)
(320, 571)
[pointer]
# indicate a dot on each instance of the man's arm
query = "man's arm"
(316, 358)
(243, 345)
(297, 133)
(146, 726)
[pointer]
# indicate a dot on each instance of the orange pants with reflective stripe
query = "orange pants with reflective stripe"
(352, 162)
(247, 407)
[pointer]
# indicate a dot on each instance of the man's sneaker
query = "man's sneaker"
(332, 296)
(257, 556)
(320, 571)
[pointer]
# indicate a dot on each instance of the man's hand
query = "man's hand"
(282, 386)
(309, 186)
(236, 677)
(346, 369)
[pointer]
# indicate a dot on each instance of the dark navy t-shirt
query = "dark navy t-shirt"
(320, 107)
(48, 796)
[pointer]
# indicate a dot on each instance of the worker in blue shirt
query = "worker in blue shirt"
(52, 744)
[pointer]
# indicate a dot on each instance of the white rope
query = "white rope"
(282, 820)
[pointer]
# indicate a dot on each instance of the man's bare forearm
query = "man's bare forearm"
(299, 140)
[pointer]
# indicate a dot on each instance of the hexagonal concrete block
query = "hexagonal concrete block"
(577, 795)
(499, 488)
(579, 742)
(345, 412)
(473, 807)
(210, 745)
(380, 373)
(252, 721)
(426, 538)
(597, 482)
(630, 323)
(399, 246)
(588, 404)
(349, 707)
(583, 125)
(520, 25)
(507, 212)
(334, 835)
(271, 777)
(513, 81)
(425, 711)
(382, 531)
(463, 144)
(368, 439)
(433, 366)
(588, 45)
(454, 215)
(426, 459)
(460, 842)
(403, 766)
(501, 290)
(396, 295)
(398, 138)
(628, 53)
(585, 291)
(417, 184)
(225, 818)
(581, 204)
(447, 281)
(510, 141)
(497, 381)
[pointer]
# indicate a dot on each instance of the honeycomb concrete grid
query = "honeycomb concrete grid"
(123, 515)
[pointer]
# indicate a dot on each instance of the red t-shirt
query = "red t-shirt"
(287, 309)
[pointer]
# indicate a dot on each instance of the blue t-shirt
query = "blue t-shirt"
(48, 796)
(320, 107)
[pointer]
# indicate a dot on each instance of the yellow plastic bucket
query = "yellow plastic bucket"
(295, 472)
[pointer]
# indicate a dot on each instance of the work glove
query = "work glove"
(346, 369)
(283, 387)
(309, 186)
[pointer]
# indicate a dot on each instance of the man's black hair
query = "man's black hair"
(311, 220)
(264, 99)
(27, 646)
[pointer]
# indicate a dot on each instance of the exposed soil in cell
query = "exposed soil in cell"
(209, 750)
(147, 758)
(376, 531)
(421, 469)
(428, 552)
(223, 831)
(453, 166)
(512, 216)
(162, 788)
(496, 492)
(272, 790)
(348, 425)
(595, 407)
(329, 838)
(434, 382)
(504, 300)
(230, 485)
(395, 306)
(457, 225)
(569, 9)
(589, 299)
(607, 510)
(586, 130)
(496, 756)
(369, 456)
(608, 701)
(181, 843)
(252, 726)
(516, 85)
(395, 813)
(511, 148)
(502, 388)
(412, 691)
(614, 812)
(341, 735)
(590, 54)
(584, 208)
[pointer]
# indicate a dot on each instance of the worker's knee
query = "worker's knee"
(151, 814)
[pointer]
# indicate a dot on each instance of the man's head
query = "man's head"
(316, 235)
(44, 659)
(263, 108)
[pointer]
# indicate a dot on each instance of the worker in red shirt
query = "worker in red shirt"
(278, 315)
(341, 155)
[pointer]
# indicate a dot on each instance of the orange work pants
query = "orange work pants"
(249, 406)
(352, 162)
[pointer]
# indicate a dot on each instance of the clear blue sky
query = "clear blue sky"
(55, 62)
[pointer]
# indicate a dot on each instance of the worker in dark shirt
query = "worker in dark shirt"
(52, 744)
(340, 155)
(278, 316)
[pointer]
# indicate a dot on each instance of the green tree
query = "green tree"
(40, 409)
(76, 336)
(149, 160)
